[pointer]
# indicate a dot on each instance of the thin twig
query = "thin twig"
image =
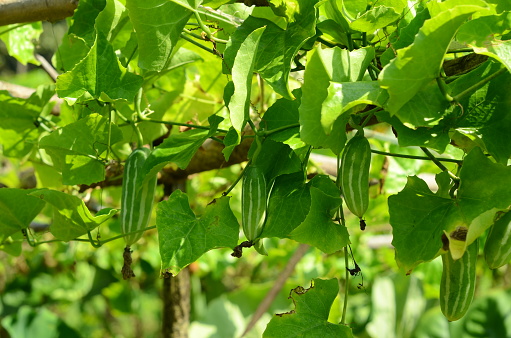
(48, 68)
(277, 286)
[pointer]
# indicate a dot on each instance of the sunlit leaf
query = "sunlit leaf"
(18, 209)
(179, 148)
(106, 80)
(77, 148)
(318, 229)
(410, 72)
(309, 318)
(158, 24)
(71, 217)
(419, 217)
(185, 237)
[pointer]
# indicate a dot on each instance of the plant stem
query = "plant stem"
(443, 88)
(90, 237)
(478, 85)
(225, 193)
(192, 41)
(350, 42)
(172, 123)
(438, 163)
(415, 157)
(346, 288)
(276, 130)
(97, 244)
(109, 132)
(206, 29)
(13, 27)
(140, 138)
(461, 50)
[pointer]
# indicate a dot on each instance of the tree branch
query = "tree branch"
(18, 11)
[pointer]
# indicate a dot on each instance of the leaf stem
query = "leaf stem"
(192, 41)
(443, 88)
(438, 163)
(172, 123)
(346, 288)
(140, 138)
(415, 157)
(97, 244)
(206, 29)
(350, 41)
(225, 193)
(276, 130)
(478, 85)
(460, 50)
(13, 28)
(90, 240)
(109, 132)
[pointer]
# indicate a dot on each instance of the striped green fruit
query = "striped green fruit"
(354, 171)
(497, 250)
(253, 202)
(458, 282)
(137, 196)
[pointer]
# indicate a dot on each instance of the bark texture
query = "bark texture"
(176, 295)
(19, 11)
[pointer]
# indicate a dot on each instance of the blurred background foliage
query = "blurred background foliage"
(74, 290)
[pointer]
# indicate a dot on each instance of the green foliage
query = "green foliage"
(184, 237)
(426, 83)
(310, 316)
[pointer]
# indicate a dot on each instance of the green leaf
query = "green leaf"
(288, 205)
(310, 316)
(426, 108)
(18, 131)
(487, 316)
(107, 80)
(18, 209)
(185, 237)
(435, 137)
(480, 31)
(420, 217)
(481, 34)
(281, 114)
(410, 71)
(318, 229)
(71, 217)
(485, 110)
(20, 41)
(277, 47)
(12, 244)
(159, 24)
(483, 187)
(405, 33)
(112, 20)
(179, 148)
(319, 72)
(376, 18)
(37, 322)
(279, 159)
(19, 120)
(352, 9)
(231, 140)
(84, 19)
(242, 69)
(77, 147)
(71, 51)
(344, 96)
(333, 12)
